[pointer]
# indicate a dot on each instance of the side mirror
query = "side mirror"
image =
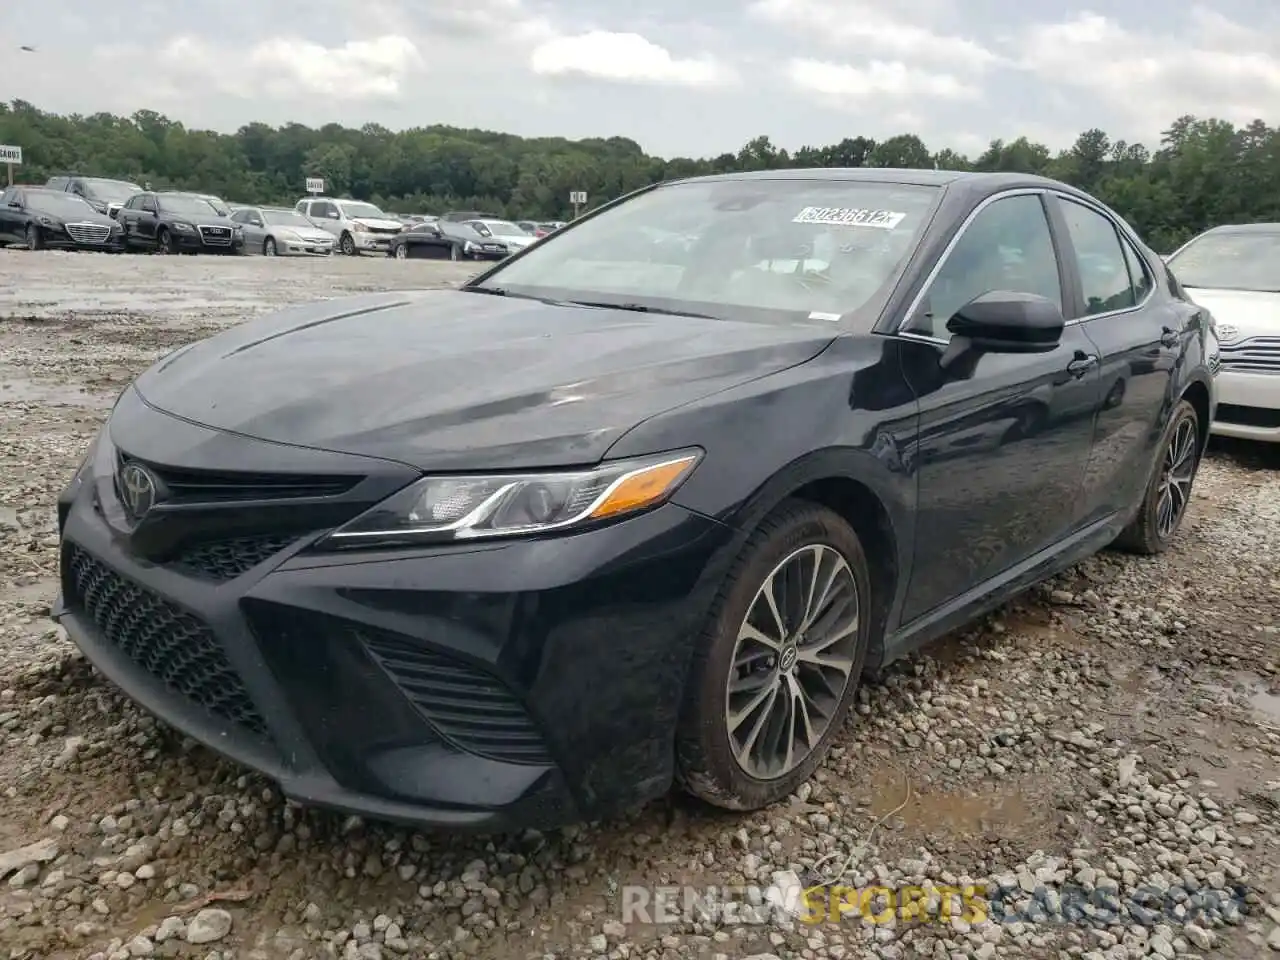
(1004, 321)
(16, 203)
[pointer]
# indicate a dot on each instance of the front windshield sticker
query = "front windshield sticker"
(819, 315)
(850, 217)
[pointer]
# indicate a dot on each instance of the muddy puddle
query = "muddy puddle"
(17, 387)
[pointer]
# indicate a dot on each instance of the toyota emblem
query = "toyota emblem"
(137, 490)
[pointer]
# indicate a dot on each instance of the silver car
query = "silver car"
(278, 232)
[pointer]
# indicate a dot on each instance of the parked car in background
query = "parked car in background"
(358, 226)
(177, 223)
(527, 551)
(1234, 271)
(505, 232)
(474, 245)
(42, 217)
(279, 232)
(104, 195)
(461, 216)
(425, 241)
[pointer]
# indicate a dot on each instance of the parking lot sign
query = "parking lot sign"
(10, 156)
(315, 185)
(578, 198)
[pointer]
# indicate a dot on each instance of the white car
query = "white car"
(1234, 272)
(359, 227)
(515, 238)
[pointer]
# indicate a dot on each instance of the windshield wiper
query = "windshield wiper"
(640, 308)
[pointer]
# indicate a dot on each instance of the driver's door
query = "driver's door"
(1003, 440)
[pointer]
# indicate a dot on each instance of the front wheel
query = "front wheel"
(348, 244)
(34, 240)
(165, 242)
(402, 251)
(779, 661)
(1169, 490)
(269, 247)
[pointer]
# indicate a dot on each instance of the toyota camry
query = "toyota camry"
(641, 505)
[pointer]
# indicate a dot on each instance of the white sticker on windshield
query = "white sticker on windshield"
(818, 315)
(850, 217)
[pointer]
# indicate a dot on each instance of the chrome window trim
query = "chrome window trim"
(1122, 234)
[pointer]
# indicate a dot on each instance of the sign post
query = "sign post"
(315, 185)
(12, 156)
(579, 199)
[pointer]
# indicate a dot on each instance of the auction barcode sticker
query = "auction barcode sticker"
(850, 217)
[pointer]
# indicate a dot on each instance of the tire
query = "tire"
(164, 242)
(401, 252)
(269, 247)
(348, 244)
(455, 254)
(34, 240)
(796, 536)
(1152, 530)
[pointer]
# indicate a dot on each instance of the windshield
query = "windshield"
(366, 210)
(190, 206)
(222, 208)
(285, 218)
(112, 190)
(504, 228)
(1232, 260)
(776, 249)
(61, 205)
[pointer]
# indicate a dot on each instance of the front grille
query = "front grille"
(88, 232)
(465, 705)
(215, 236)
(227, 486)
(1247, 416)
(384, 231)
(170, 644)
(1255, 355)
(223, 560)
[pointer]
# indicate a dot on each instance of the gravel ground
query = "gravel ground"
(1103, 755)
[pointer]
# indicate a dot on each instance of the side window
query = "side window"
(324, 211)
(240, 216)
(1104, 270)
(1139, 273)
(1007, 246)
(148, 204)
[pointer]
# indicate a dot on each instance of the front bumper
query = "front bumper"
(486, 687)
(61, 242)
(372, 242)
(304, 248)
(1248, 405)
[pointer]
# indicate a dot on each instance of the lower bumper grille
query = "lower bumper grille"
(223, 560)
(167, 642)
(464, 704)
(88, 232)
(1248, 416)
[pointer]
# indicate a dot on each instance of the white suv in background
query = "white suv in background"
(360, 227)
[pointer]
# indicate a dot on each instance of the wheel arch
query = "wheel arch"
(1198, 395)
(860, 490)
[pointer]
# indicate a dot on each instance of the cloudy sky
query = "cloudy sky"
(680, 78)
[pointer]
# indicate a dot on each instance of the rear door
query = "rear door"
(1137, 334)
(1000, 452)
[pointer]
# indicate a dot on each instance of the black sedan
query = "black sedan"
(178, 223)
(40, 218)
(529, 550)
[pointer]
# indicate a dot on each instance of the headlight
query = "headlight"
(506, 505)
(182, 227)
(359, 228)
(470, 247)
(289, 236)
(49, 222)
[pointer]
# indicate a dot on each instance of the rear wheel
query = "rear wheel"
(34, 240)
(1169, 490)
(779, 663)
(269, 247)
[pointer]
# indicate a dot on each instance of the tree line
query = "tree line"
(1205, 171)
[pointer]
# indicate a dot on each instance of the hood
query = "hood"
(378, 224)
(1240, 314)
(308, 233)
(87, 216)
(450, 380)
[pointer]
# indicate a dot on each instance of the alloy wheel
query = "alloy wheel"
(269, 247)
(792, 661)
(1176, 474)
(402, 252)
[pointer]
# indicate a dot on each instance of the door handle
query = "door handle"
(1169, 336)
(1081, 365)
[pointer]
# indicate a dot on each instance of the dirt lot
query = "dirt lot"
(1115, 734)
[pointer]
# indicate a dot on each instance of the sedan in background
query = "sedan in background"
(104, 195)
(505, 232)
(533, 549)
(177, 223)
(42, 218)
(280, 232)
(426, 241)
(1234, 271)
(475, 246)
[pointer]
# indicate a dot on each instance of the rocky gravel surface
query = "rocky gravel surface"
(1093, 772)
